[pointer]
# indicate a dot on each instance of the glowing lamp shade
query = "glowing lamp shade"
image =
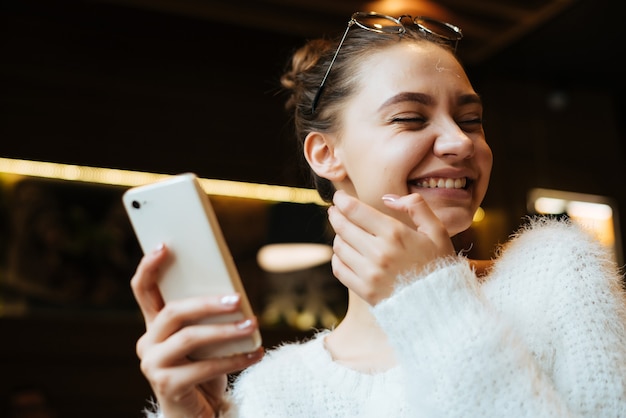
(596, 213)
(282, 258)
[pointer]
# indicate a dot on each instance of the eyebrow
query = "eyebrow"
(407, 97)
(425, 99)
(469, 99)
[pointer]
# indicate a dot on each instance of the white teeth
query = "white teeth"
(443, 183)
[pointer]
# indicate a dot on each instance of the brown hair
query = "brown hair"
(307, 68)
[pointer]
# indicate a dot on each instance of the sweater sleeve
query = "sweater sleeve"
(228, 410)
(472, 357)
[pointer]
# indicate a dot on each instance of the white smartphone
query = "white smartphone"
(178, 213)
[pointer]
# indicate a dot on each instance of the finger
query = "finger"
(362, 215)
(176, 350)
(370, 291)
(358, 263)
(425, 220)
(374, 234)
(359, 225)
(223, 365)
(343, 257)
(363, 271)
(172, 382)
(350, 234)
(192, 338)
(178, 313)
(144, 283)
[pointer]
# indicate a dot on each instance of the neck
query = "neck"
(358, 342)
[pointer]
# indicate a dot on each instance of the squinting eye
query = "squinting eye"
(409, 124)
(471, 123)
(408, 120)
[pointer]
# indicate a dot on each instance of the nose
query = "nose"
(453, 142)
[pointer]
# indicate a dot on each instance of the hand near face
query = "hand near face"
(371, 248)
(184, 387)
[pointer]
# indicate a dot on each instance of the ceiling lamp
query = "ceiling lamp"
(290, 257)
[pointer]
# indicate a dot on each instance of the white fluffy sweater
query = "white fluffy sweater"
(544, 335)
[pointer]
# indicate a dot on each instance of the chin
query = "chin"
(455, 220)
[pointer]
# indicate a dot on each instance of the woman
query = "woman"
(392, 130)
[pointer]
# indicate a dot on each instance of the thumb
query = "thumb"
(412, 205)
(420, 213)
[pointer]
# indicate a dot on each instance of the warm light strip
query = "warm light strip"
(135, 178)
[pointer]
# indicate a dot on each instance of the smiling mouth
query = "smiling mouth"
(441, 183)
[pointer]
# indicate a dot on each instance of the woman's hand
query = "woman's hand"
(372, 248)
(185, 388)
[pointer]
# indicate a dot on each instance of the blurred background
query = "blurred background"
(170, 86)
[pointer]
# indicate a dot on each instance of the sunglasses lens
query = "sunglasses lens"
(440, 29)
(378, 23)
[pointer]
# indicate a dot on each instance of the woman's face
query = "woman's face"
(415, 126)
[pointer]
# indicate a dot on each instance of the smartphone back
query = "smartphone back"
(177, 212)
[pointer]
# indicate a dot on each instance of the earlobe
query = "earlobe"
(319, 152)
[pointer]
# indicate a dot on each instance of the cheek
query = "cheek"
(487, 156)
(363, 170)
(485, 161)
(375, 168)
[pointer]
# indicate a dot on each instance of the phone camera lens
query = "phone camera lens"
(136, 204)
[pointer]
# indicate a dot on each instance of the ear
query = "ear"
(320, 153)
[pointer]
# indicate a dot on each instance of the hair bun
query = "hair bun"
(302, 61)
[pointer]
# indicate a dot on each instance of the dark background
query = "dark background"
(118, 85)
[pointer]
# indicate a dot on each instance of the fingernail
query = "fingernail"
(244, 324)
(229, 300)
(159, 248)
(252, 355)
(390, 197)
(338, 194)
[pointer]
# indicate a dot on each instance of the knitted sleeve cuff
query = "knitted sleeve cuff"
(153, 411)
(442, 299)
(446, 334)
(437, 313)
